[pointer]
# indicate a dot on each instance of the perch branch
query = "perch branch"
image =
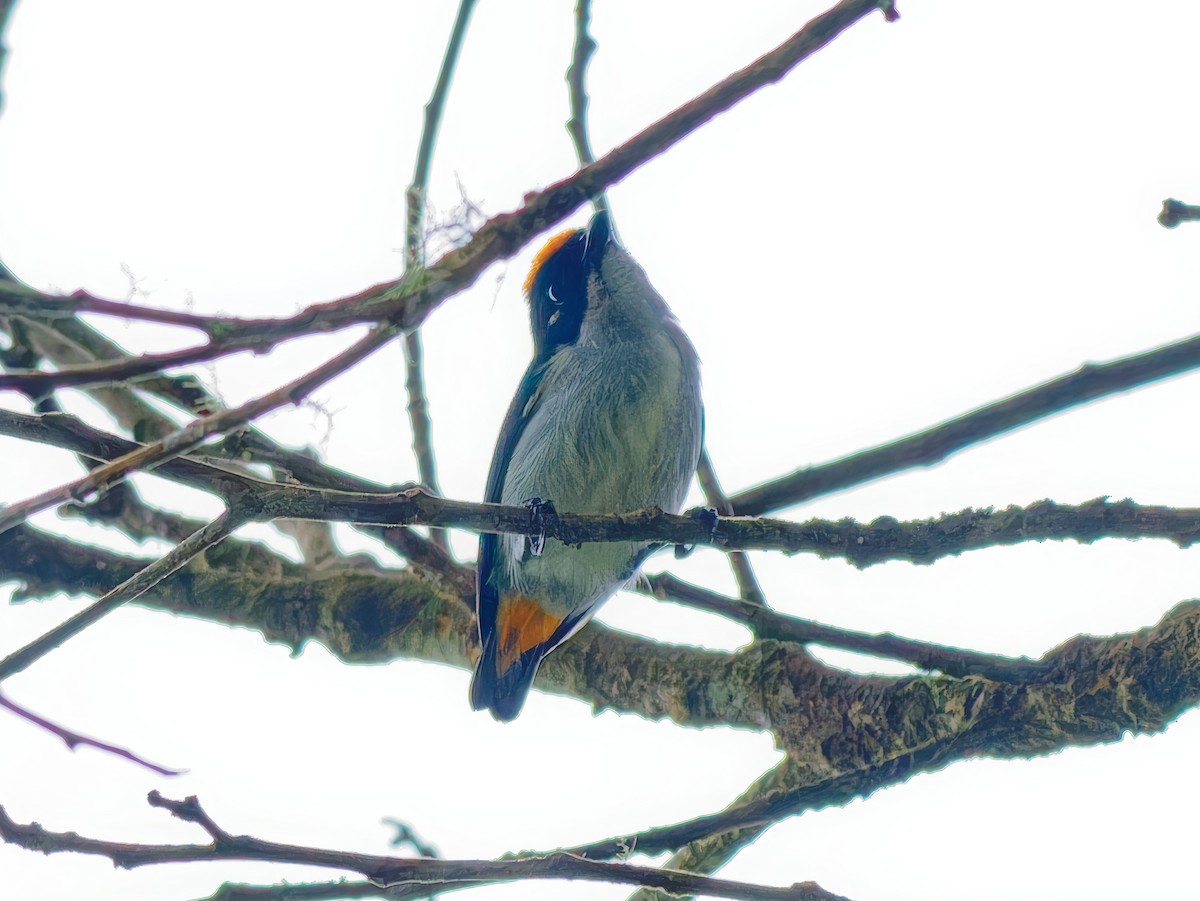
(918, 541)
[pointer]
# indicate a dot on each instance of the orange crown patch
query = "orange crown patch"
(552, 246)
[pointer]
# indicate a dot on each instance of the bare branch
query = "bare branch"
(1090, 382)
(131, 588)
(74, 739)
(427, 872)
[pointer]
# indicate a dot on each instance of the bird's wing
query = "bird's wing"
(520, 411)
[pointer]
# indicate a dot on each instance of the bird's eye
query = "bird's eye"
(553, 299)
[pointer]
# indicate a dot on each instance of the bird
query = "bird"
(608, 418)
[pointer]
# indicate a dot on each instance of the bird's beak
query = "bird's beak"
(598, 237)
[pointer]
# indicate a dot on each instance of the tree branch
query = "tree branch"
(428, 872)
(1090, 382)
(770, 624)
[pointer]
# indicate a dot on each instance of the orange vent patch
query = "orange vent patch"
(521, 624)
(550, 249)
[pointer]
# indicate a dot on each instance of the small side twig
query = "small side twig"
(739, 561)
(406, 835)
(75, 740)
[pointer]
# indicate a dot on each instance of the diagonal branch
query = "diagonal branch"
(133, 587)
(408, 301)
(74, 739)
(1090, 382)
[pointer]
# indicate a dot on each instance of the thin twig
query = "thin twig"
(1090, 382)
(577, 126)
(74, 739)
(388, 870)
(131, 588)
(768, 623)
(414, 256)
(739, 561)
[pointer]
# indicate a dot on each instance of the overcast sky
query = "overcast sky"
(925, 217)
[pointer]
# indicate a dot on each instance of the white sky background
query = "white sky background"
(923, 218)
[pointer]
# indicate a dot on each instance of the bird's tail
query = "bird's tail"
(504, 693)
